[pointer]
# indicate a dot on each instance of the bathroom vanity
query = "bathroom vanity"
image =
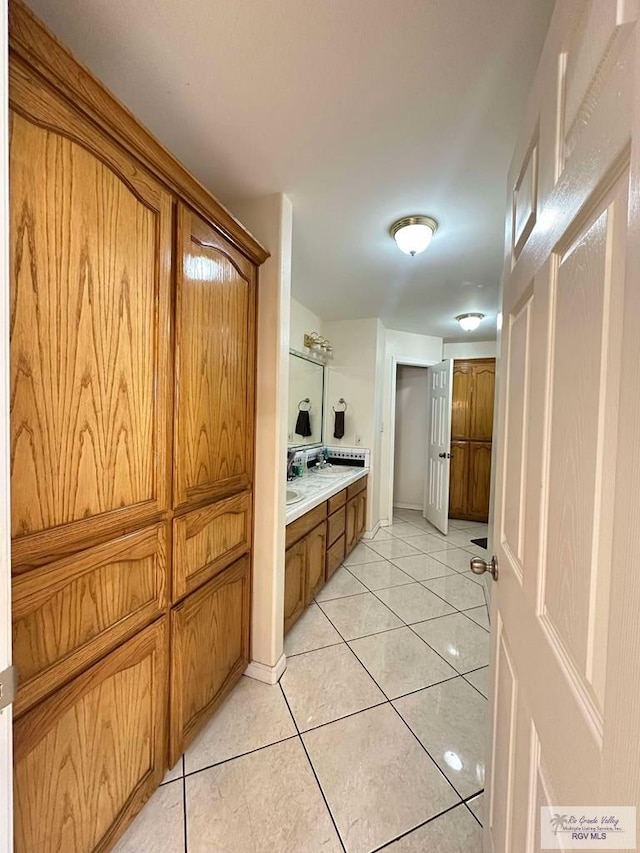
(323, 526)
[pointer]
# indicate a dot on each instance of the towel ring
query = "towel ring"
(308, 402)
(341, 402)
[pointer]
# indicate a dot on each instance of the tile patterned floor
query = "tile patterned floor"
(375, 737)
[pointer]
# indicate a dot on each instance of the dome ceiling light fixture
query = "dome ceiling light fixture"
(413, 233)
(470, 322)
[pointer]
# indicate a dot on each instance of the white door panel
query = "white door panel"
(566, 641)
(436, 504)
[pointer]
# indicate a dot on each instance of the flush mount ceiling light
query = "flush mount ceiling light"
(413, 233)
(470, 322)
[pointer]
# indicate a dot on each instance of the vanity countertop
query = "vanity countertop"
(317, 487)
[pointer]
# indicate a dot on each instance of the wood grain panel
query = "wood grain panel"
(334, 503)
(295, 579)
(484, 379)
(357, 487)
(479, 480)
(361, 517)
(209, 651)
(336, 525)
(32, 43)
(69, 613)
(315, 560)
(351, 528)
(303, 525)
(207, 540)
(215, 353)
(461, 400)
(459, 479)
(335, 555)
(88, 757)
(90, 260)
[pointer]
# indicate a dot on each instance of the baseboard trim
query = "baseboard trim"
(417, 507)
(265, 673)
(369, 534)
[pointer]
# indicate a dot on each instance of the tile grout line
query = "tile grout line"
(313, 770)
(387, 844)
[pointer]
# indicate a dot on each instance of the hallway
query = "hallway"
(375, 737)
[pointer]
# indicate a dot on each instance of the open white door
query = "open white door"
(566, 608)
(436, 493)
(6, 784)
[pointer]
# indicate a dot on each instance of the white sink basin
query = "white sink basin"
(293, 496)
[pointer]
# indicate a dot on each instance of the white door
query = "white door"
(436, 495)
(6, 785)
(566, 607)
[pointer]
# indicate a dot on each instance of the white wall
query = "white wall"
(6, 782)
(270, 219)
(473, 349)
(303, 321)
(410, 436)
(399, 347)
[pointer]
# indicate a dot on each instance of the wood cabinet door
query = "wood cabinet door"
(87, 758)
(361, 517)
(479, 480)
(335, 556)
(215, 346)
(461, 400)
(209, 651)
(483, 389)
(90, 267)
(295, 577)
(351, 530)
(315, 557)
(459, 479)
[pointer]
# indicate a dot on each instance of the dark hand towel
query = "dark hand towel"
(303, 424)
(338, 429)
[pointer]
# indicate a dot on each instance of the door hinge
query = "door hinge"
(8, 686)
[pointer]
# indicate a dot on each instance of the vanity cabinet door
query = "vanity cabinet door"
(361, 519)
(351, 531)
(316, 553)
(214, 365)
(294, 583)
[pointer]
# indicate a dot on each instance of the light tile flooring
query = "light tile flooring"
(375, 737)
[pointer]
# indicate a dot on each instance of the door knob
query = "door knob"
(480, 566)
(444, 455)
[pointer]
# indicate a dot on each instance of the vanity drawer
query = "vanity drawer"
(69, 613)
(335, 555)
(208, 540)
(337, 501)
(336, 525)
(356, 488)
(299, 528)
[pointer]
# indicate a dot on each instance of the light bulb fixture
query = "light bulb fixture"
(470, 322)
(413, 233)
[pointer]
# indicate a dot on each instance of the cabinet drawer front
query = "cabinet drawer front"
(356, 488)
(209, 651)
(207, 540)
(88, 757)
(299, 528)
(69, 613)
(337, 501)
(335, 555)
(336, 525)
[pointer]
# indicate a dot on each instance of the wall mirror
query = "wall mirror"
(306, 401)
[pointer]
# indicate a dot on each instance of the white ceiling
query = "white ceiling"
(362, 111)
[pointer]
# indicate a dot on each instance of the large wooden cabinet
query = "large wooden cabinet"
(471, 438)
(133, 297)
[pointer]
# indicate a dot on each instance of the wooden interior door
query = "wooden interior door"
(215, 353)
(459, 480)
(90, 258)
(436, 497)
(566, 644)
